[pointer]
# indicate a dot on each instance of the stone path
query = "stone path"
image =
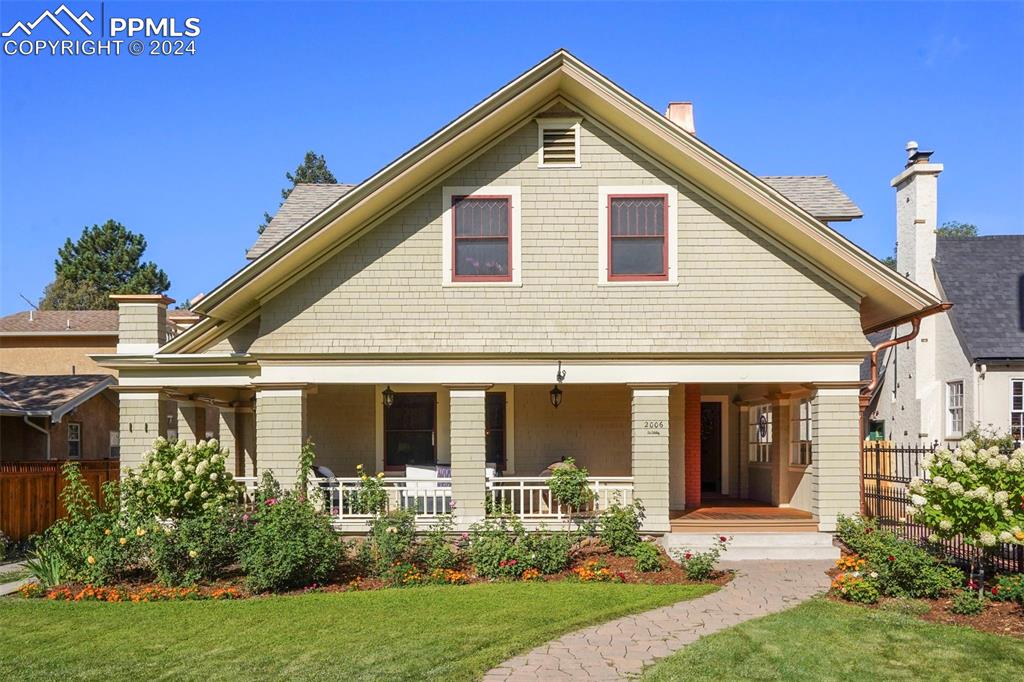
(622, 648)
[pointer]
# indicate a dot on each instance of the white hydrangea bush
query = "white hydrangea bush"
(179, 480)
(975, 493)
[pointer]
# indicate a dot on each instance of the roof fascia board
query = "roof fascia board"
(81, 398)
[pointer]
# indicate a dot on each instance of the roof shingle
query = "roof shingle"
(983, 277)
(817, 195)
(45, 394)
(303, 203)
(60, 321)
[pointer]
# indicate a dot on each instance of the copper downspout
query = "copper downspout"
(868, 391)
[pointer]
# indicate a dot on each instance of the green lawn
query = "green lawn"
(825, 640)
(450, 633)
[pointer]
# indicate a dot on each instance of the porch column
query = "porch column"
(468, 455)
(280, 431)
(835, 488)
(744, 443)
(650, 420)
(191, 421)
(692, 425)
(142, 420)
(235, 438)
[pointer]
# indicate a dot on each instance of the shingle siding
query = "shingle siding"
(835, 486)
(650, 455)
(737, 291)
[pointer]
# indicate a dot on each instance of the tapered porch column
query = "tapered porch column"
(142, 420)
(651, 454)
(691, 421)
(191, 421)
(468, 454)
(236, 425)
(280, 431)
(835, 484)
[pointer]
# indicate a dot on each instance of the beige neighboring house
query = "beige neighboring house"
(55, 401)
(966, 366)
(560, 272)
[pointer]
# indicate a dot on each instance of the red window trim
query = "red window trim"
(661, 277)
(481, 278)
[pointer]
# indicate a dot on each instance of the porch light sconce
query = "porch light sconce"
(388, 397)
(556, 392)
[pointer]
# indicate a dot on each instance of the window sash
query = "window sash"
(638, 228)
(760, 445)
(487, 232)
(1017, 409)
(802, 451)
(74, 440)
(955, 407)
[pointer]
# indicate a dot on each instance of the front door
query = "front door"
(711, 447)
(410, 431)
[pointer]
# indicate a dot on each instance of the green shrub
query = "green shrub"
(1009, 588)
(647, 556)
(902, 568)
(290, 544)
(968, 603)
(496, 548)
(436, 550)
(45, 567)
(861, 591)
(178, 480)
(568, 485)
(5, 545)
(620, 527)
(548, 553)
(371, 497)
(699, 566)
(196, 548)
(391, 540)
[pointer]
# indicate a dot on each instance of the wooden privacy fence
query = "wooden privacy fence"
(30, 492)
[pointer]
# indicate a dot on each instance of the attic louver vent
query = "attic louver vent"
(559, 142)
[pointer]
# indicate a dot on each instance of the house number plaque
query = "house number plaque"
(654, 426)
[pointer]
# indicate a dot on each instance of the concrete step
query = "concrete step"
(758, 546)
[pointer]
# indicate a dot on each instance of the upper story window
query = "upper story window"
(1017, 409)
(74, 440)
(955, 408)
(481, 235)
(760, 443)
(803, 432)
(638, 234)
(559, 142)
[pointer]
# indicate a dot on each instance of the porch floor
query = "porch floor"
(733, 515)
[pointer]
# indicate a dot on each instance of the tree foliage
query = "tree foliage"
(106, 259)
(957, 229)
(313, 170)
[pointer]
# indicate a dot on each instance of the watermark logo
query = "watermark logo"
(160, 36)
(77, 20)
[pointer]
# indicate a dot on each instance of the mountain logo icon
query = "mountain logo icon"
(69, 16)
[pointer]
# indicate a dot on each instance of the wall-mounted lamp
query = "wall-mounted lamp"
(556, 392)
(387, 397)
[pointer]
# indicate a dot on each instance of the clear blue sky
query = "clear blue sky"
(190, 150)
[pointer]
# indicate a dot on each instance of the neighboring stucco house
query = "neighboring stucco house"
(966, 366)
(561, 271)
(55, 401)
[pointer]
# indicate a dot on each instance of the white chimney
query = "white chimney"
(917, 209)
(681, 113)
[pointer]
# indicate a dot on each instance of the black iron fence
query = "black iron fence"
(887, 469)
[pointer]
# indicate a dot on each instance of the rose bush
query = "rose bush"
(975, 493)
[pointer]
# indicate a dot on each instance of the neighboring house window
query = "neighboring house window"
(1017, 409)
(74, 440)
(481, 236)
(559, 142)
(638, 237)
(955, 408)
(638, 240)
(802, 434)
(494, 430)
(115, 445)
(410, 430)
(761, 434)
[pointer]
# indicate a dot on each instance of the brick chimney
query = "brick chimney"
(917, 208)
(681, 113)
(141, 322)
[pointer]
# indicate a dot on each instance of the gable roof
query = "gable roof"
(50, 322)
(886, 298)
(984, 279)
(816, 194)
(305, 201)
(51, 395)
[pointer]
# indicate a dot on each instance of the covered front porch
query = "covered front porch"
(715, 456)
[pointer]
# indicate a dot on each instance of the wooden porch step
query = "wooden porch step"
(726, 526)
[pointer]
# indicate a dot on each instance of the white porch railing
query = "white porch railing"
(529, 497)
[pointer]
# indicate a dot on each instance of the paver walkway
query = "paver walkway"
(621, 648)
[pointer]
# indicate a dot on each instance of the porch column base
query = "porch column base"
(835, 485)
(468, 456)
(650, 423)
(280, 431)
(142, 420)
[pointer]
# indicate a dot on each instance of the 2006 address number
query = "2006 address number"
(654, 424)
